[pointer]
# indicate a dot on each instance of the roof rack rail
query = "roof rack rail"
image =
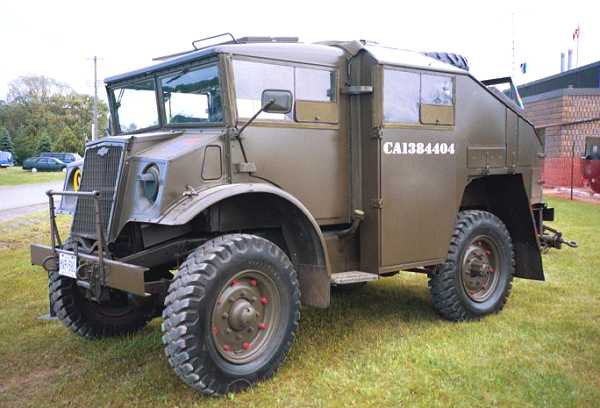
(233, 40)
(250, 40)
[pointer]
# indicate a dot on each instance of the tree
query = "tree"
(37, 106)
(6, 143)
(68, 141)
(44, 143)
(31, 89)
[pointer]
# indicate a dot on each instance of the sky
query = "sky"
(58, 38)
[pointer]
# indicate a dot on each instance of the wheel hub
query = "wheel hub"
(479, 269)
(245, 316)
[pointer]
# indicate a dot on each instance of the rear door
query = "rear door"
(418, 167)
(41, 164)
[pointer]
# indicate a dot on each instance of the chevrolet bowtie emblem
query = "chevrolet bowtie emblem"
(102, 151)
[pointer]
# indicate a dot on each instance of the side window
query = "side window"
(437, 100)
(401, 96)
(315, 85)
(436, 90)
(252, 78)
(316, 96)
(414, 98)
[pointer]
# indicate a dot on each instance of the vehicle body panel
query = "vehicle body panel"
(6, 159)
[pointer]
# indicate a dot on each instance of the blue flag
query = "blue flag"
(524, 67)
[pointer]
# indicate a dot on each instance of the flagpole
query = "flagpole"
(578, 34)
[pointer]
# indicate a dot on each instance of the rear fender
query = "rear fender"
(505, 196)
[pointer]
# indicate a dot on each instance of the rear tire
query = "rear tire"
(231, 314)
(477, 277)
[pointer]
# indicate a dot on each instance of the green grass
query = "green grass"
(13, 176)
(380, 346)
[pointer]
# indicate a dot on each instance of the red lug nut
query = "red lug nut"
(262, 326)
(253, 282)
(226, 347)
(234, 282)
(246, 345)
(264, 300)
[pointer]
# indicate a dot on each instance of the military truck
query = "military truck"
(242, 180)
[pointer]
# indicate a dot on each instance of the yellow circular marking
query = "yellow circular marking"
(76, 179)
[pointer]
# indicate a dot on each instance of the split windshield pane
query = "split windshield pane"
(193, 96)
(136, 106)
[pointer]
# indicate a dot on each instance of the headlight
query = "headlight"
(150, 178)
(76, 179)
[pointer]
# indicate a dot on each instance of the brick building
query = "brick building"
(567, 107)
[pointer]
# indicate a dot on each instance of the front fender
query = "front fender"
(305, 239)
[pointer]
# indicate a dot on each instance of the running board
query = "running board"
(346, 278)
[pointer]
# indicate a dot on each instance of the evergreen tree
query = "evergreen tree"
(44, 143)
(6, 143)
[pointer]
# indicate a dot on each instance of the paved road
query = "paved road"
(16, 201)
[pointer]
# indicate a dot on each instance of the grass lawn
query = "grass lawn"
(380, 346)
(13, 176)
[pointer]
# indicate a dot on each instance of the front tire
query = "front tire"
(477, 277)
(231, 314)
(120, 316)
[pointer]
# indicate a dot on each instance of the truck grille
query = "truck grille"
(100, 173)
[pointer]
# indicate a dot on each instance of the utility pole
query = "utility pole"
(95, 118)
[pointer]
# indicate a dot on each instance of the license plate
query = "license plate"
(67, 265)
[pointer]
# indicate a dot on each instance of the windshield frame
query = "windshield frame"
(215, 59)
(206, 62)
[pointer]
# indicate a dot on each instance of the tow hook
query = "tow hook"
(552, 238)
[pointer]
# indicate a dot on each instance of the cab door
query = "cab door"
(305, 151)
(418, 177)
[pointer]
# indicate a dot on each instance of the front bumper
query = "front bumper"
(111, 273)
(118, 275)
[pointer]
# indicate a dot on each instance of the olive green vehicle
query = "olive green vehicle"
(245, 179)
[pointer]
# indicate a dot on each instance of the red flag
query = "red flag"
(576, 33)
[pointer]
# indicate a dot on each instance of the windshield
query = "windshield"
(192, 96)
(136, 106)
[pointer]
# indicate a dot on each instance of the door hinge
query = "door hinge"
(246, 167)
(377, 203)
(377, 133)
(357, 90)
